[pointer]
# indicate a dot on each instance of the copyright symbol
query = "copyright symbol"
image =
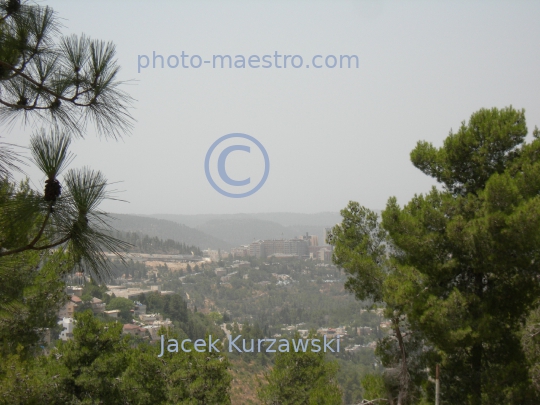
(229, 161)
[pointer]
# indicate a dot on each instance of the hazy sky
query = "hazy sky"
(332, 135)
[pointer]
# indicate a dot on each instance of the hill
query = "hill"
(282, 218)
(241, 229)
(164, 229)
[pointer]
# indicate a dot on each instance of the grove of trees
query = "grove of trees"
(458, 267)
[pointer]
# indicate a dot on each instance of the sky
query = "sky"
(331, 134)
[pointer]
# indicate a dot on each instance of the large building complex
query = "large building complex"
(299, 247)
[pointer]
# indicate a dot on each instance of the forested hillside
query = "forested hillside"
(164, 229)
(142, 243)
(241, 229)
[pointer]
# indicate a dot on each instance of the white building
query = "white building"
(68, 325)
(113, 313)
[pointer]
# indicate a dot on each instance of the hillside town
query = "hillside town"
(228, 268)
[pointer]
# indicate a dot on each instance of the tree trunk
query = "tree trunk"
(476, 350)
(476, 363)
(404, 374)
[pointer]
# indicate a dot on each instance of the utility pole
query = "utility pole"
(437, 386)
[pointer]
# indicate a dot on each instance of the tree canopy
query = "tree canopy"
(460, 264)
(100, 366)
(301, 378)
(59, 84)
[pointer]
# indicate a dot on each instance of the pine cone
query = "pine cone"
(53, 189)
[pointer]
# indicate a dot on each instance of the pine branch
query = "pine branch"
(31, 247)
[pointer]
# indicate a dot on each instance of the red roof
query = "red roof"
(131, 326)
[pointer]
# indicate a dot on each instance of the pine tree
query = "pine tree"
(58, 85)
(301, 378)
(461, 263)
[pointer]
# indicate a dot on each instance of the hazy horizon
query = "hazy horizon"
(332, 135)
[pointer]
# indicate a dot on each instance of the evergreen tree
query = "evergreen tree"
(31, 293)
(100, 366)
(60, 84)
(530, 340)
(301, 378)
(362, 250)
(462, 263)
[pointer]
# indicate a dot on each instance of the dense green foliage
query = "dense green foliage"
(361, 249)
(31, 287)
(460, 266)
(530, 340)
(301, 378)
(142, 243)
(314, 294)
(194, 325)
(99, 366)
(30, 295)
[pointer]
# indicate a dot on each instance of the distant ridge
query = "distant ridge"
(164, 229)
(242, 229)
(281, 218)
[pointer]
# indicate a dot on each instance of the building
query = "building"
(270, 247)
(353, 348)
(153, 329)
(129, 293)
(239, 264)
(256, 249)
(322, 253)
(241, 251)
(212, 254)
(298, 247)
(166, 293)
(227, 278)
(150, 318)
(220, 271)
(76, 299)
(303, 333)
(113, 313)
(328, 332)
(75, 290)
(68, 309)
(325, 254)
(140, 309)
(134, 330)
(67, 332)
(98, 306)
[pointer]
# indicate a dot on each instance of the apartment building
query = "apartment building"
(272, 247)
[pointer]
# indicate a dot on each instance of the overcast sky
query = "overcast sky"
(332, 135)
